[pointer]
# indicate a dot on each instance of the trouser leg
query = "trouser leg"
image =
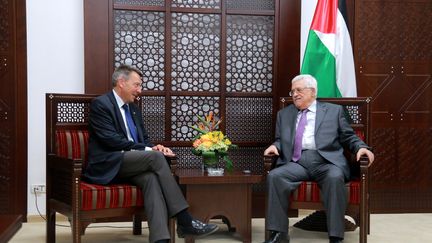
(281, 181)
(331, 181)
(136, 162)
(154, 205)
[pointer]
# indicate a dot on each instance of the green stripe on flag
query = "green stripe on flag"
(320, 63)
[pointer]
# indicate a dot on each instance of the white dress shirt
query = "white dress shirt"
(120, 104)
(308, 140)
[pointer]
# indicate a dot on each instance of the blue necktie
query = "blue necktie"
(130, 123)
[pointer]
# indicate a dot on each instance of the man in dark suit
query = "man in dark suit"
(310, 140)
(120, 150)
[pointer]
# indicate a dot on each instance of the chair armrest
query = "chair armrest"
(63, 177)
(55, 162)
(365, 163)
(269, 162)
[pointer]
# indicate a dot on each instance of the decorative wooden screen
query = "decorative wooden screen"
(197, 57)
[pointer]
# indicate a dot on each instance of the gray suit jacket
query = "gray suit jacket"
(333, 133)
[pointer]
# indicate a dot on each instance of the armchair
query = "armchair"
(307, 196)
(83, 203)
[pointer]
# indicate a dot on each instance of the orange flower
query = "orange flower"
(196, 143)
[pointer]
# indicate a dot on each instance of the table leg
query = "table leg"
(232, 201)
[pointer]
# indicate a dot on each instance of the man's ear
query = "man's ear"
(121, 82)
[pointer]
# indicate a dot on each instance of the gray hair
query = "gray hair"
(123, 71)
(310, 81)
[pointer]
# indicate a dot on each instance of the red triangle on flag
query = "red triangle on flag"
(324, 19)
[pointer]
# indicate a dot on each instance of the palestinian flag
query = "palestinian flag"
(328, 55)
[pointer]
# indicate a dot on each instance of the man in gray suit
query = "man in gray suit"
(120, 151)
(310, 140)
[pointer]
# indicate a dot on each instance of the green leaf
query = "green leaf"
(228, 163)
(196, 152)
(198, 129)
(203, 121)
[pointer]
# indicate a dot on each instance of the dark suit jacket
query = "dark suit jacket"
(332, 134)
(108, 138)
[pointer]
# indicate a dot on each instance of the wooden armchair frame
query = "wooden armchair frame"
(358, 111)
(69, 112)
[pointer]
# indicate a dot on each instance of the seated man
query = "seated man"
(310, 140)
(120, 150)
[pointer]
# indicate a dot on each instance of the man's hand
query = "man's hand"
(271, 150)
(367, 152)
(166, 151)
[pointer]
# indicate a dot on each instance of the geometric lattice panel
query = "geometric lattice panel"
(251, 4)
(184, 110)
(249, 53)
(185, 158)
(415, 144)
(139, 40)
(244, 158)
(249, 119)
(4, 25)
(416, 31)
(213, 4)
(68, 112)
(374, 27)
(354, 114)
(195, 52)
(153, 112)
(248, 158)
(140, 2)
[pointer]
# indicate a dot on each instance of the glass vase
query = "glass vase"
(210, 164)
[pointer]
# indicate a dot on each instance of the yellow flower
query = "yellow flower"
(205, 137)
(207, 144)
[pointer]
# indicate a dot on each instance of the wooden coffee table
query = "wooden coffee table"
(228, 196)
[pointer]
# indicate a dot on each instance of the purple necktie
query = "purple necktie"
(299, 136)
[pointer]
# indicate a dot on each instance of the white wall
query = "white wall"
(55, 59)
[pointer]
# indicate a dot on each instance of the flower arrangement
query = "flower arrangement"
(210, 142)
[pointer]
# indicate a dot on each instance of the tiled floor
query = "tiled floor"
(385, 228)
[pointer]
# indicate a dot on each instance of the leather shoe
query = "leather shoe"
(335, 240)
(197, 228)
(276, 237)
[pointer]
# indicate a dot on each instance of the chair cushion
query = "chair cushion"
(72, 144)
(308, 191)
(110, 196)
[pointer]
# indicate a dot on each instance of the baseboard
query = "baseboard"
(37, 218)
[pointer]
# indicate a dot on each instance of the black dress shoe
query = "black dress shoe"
(335, 240)
(277, 237)
(197, 228)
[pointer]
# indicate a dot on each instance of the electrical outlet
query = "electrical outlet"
(38, 188)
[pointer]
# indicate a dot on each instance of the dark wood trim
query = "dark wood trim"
(9, 225)
(20, 145)
(96, 34)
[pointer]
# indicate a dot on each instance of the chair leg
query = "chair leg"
(76, 230)
(84, 227)
(51, 221)
(137, 224)
(171, 227)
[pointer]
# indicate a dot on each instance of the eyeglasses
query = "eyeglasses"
(298, 90)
